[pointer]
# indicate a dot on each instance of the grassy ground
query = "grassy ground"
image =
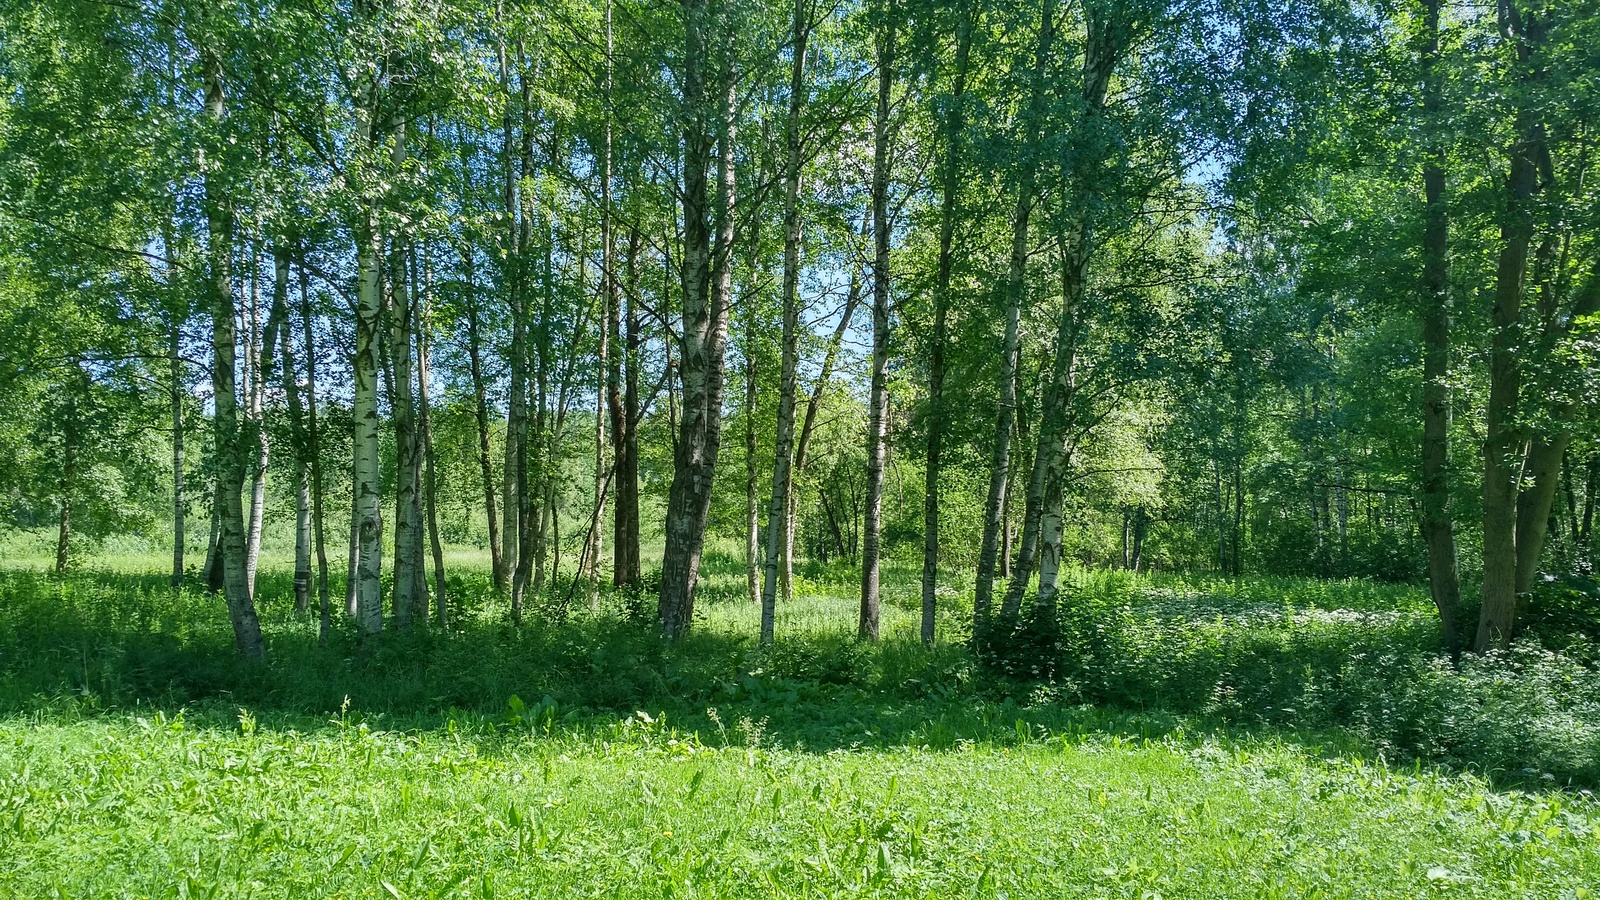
(1179, 750)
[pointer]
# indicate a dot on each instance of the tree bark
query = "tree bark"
(297, 427)
(1535, 502)
(1042, 516)
(480, 408)
(706, 281)
(1016, 294)
(594, 543)
(950, 188)
(255, 426)
(1236, 551)
(624, 402)
(878, 401)
(1041, 542)
(220, 227)
(1569, 489)
(514, 280)
(367, 526)
(778, 518)
(1438, 525)
(441, 607)
(1006, 529)
(607, 401)
(541, 458)
(1503, 457)
(1546, 451)
(410, 595)
(314, 458)
(518, 495)
(596, 538)
(64, 534)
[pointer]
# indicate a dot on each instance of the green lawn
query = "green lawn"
(138, 758)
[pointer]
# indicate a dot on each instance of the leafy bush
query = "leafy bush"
(1316, 656)
(1526, 713)
(1561, 607)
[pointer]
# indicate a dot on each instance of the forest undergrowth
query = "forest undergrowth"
(1171, 736)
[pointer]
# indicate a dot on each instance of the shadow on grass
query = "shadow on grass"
(1365, 684)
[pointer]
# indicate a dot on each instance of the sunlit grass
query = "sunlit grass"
(1205, 737)
(140, 806)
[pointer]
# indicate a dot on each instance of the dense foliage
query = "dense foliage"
(955, 384)
(1304, 292)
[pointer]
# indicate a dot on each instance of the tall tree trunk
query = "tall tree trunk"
(680, 561)
(297, 426)
(778, 518)
(64, 534)
(480, 408)
(410, 595)
(1127, 538)
(1016, 293)
(1053, 454)
(949, 203)
(1042, 516)
(314, 459)
(1438, 525)
(624, 401)
(878, 401)
(1503, 456)
(518, 497)
(706, 282)
(441, 607)
(541, 474)
(514, 280)
(367, 526)
(1341, 491)
(1008, 519)
(225, 418)
(511, 470)
(1535, 502)
(1222, 505)
(608, 391)
(255, 425)
(594, 543)
(596, 538)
